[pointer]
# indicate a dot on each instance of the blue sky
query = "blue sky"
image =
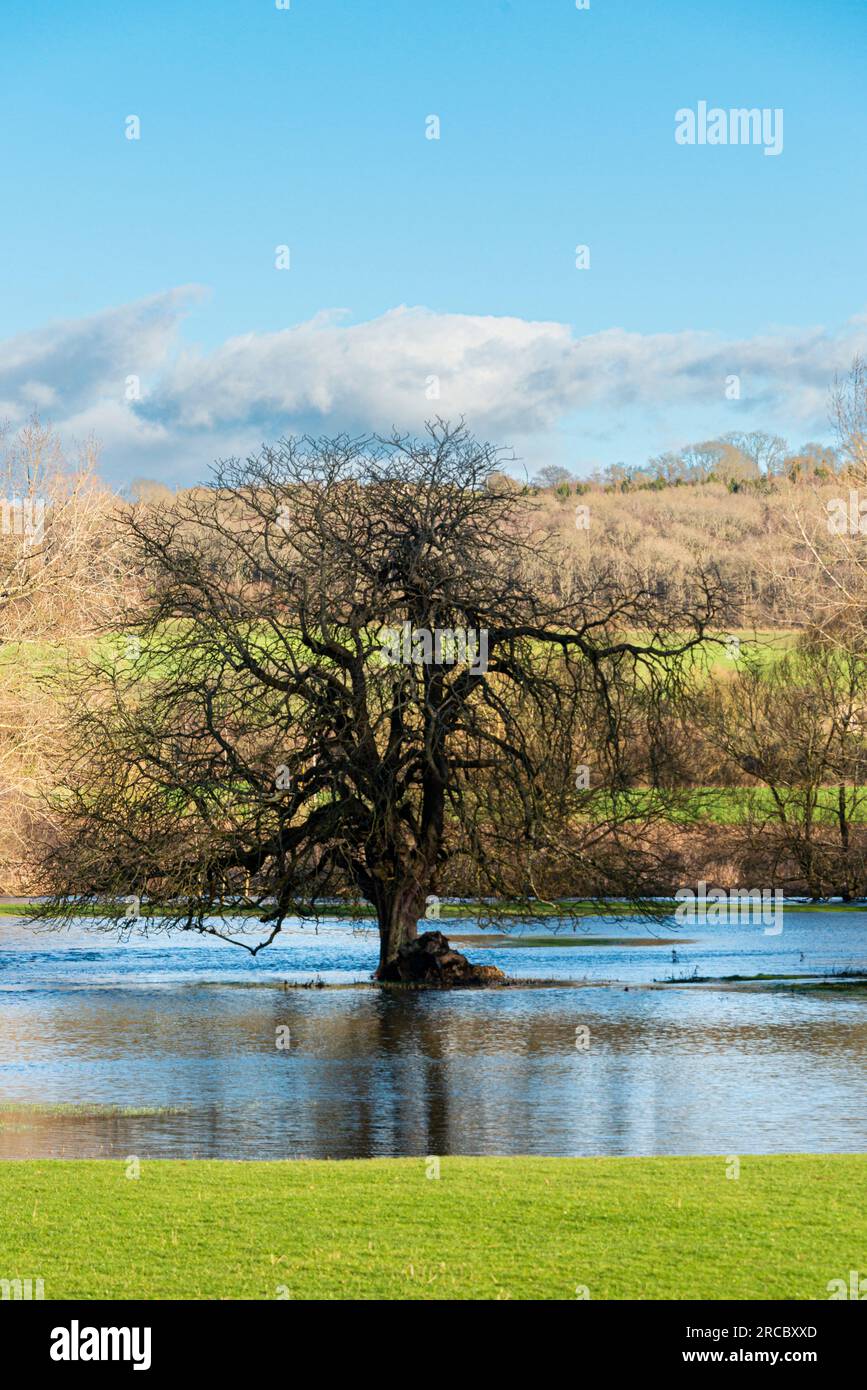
(306, 127)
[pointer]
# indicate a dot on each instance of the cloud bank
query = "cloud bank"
(508, 376)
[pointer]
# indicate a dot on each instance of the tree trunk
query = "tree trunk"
(398, 910)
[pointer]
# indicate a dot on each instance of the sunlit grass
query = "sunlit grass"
(484, 1228)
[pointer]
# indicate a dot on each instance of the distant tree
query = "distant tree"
(619, 477)
(360, 672)
(812, 462)
(552, 476)
(669, 467)
(701, 461)
(734, 467)
(849, 415)
(712, 459)
(766, 452)
(57, 564)
(825, 574)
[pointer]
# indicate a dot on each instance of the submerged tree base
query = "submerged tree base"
(430, 960)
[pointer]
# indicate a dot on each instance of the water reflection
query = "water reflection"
(190, 1033)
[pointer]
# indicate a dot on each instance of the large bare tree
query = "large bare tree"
(357, 672)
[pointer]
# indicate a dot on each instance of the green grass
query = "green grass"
(766, 646)
(496, 1228)
(733, 805)
(568, 908)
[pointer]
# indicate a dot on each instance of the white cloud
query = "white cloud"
(72, 364)
(506, 375)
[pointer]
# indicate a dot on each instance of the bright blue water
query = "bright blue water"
(190, 1025)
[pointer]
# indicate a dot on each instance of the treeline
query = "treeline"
(755, 461)
(740, 460)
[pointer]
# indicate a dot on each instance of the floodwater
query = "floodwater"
(215, 1058)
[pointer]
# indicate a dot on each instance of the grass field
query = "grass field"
(487, 1228)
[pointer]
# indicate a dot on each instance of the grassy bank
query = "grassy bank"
(464, 911)
(485, 1229)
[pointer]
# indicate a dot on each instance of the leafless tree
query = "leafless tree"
(552, 475)
(849, 416)
(796, 731)
(766, 452)
(358, 672)
(825, 562)
(59, 573)
(58, 564)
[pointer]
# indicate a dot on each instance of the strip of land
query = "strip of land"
(779, 1227)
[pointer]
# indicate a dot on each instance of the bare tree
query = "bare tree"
(765, 452)
(552, 475)
(796, 731)
(849, 417)
(58, 563)
(826, 569)
(59, 572)
(357, 673)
